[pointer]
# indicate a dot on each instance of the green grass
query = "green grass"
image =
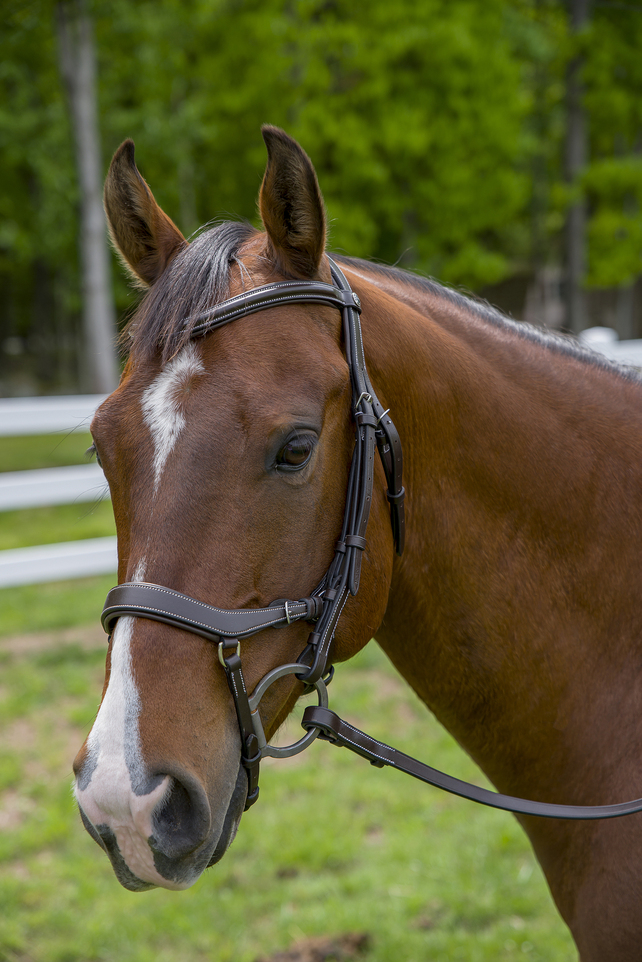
(54, 605)
(49, 525)
(43, 451)
(333, 846)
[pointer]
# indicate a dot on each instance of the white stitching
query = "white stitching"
(202, 604)
(222, 611)
(381, 758)
(254, 308)
(356, 730)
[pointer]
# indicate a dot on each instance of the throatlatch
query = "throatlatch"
(374, 428)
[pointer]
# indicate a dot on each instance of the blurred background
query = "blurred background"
(493, 144)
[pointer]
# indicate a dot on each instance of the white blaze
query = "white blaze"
(114, 774)
(162, 407)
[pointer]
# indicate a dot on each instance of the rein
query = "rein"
(226, 628)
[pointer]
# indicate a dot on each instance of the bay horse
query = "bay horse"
(514, 611)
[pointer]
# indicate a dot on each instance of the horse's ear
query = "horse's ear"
(291, 207)
(143, 235)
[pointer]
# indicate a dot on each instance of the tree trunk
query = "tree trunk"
(576, 160)
(78, 69)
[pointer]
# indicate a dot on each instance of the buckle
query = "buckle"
(233, 642)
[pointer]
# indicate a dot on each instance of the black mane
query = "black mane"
(197, 278)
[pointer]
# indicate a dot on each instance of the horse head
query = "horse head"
(228, 459)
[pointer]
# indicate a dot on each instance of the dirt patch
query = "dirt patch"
(86, 636)
(334, 948)
(14, 809)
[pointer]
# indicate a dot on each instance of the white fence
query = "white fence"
(45, 415)
(604, 340)
(75, 559)
(50, 486)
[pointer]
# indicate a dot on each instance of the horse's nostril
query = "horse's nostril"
(181, 821)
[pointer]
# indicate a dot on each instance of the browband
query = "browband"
(272, 295)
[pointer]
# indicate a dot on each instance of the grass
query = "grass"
(49, 525)
(55, 605)
(333, 846)
(43, 451)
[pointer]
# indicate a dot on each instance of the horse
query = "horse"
(513, 610)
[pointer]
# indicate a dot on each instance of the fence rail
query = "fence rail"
(49, 486)
(57, 562)
(45, 415)
(52, 486)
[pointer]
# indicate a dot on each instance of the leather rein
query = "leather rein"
(226, 628)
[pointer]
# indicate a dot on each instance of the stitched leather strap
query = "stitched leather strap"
(173, 608)
(339, 732)
(271, 295)
(387, 437)
(374, 429)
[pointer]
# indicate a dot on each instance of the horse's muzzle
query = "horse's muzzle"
(165, 837)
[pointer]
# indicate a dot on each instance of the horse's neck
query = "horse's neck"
(523, 468)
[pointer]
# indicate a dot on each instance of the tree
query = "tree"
(575, 162)
(437, 130)
(78, 68)
(613, 179)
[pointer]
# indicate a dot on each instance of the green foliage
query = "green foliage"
(39, 284)
(437, 130)
(613, 180)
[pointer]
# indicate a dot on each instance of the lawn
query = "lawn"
(334, 846)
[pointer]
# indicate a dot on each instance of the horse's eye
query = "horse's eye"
(295, 454)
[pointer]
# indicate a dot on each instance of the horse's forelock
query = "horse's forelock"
(196, 279)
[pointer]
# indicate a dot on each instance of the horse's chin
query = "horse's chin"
(232, 818)
(163, 871)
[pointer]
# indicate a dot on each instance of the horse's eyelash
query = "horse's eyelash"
(91, 452)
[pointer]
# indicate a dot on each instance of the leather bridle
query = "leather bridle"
(226, 628)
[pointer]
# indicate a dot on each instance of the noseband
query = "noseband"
(226, 628)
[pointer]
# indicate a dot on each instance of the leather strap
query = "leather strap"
(229, 656)
(374, 428)
(173, 608)
(333, 729)
(271, 295)
(387, 437)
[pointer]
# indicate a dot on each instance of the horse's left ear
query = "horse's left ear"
(291, 207)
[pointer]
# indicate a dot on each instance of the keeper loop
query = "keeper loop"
(355, 541)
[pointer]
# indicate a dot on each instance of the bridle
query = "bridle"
(226, 628)
(374, 431)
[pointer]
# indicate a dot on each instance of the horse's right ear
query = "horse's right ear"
(143, 235)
